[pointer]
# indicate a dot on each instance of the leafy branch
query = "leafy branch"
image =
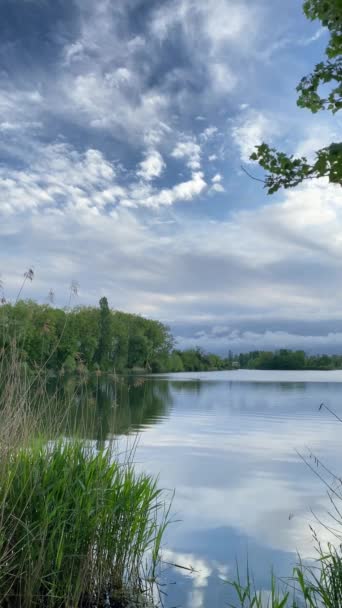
(287, 171)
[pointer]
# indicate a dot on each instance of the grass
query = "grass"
(314, 584)
(75, 526)
(249, 597)
(318, 585)
(78, 526)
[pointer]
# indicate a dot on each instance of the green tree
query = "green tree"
(88, 334)
(91, 338)
(286, 171)
(120, 328)
(105, 345)
(138, 350)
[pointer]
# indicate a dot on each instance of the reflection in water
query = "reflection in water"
(228, 447)
(103, 407)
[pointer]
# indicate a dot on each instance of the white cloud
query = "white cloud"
(287, 255)
(250, 130)
(226, 22)
(101, 90)
(316, 136)
(184, 191)
(105, 101)
(73, 51)
(215, 501)
(242, 341)
(152, 166)
(222, 77)
(191, 565)
(20, 109)
(60, 177)
(216, 187)
(208, 133)
(316, 36)
(218, 22)
(191, 151)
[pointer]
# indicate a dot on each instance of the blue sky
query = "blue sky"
(123, 127)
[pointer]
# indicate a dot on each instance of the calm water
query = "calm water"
(227, 443)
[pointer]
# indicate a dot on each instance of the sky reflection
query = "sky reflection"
(229, 449)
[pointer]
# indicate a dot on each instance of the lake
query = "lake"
(229, 444)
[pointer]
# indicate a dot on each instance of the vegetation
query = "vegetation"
(287, 359)
(84, 337)
(87, 338)
(75, 526)
(320, 90)
(91, 339)
(78, 526)
(191, 360)
(314, 584)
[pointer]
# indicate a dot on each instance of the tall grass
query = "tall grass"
(315, 583)
(75, 526)
(78, 526)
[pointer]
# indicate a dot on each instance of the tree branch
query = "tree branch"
(257, 179)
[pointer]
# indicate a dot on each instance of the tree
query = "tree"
(105, 344)
(286, 171)
(138, 350)
(88, 333)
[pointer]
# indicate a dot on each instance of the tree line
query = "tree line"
(95, 338)
(287, 359)
(98, 338)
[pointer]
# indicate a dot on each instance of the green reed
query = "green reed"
(315, 584)
(318, 585)
(75, 526)
(79, 527)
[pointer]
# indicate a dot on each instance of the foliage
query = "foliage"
(78, 526)
(191, 360)
(82, 338)
(105, 340)
(329, 12)
(282, 359)
(75, 526)
(286, 170)
(87, 338)
(287, 359)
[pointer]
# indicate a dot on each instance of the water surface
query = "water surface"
(228, 443)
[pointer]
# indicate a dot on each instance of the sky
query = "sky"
(124, 125)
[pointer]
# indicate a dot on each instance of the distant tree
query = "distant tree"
(120, 328)
(89, 338)
(105, 343)
(138, 351)
(286, 171)
(88, 333)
